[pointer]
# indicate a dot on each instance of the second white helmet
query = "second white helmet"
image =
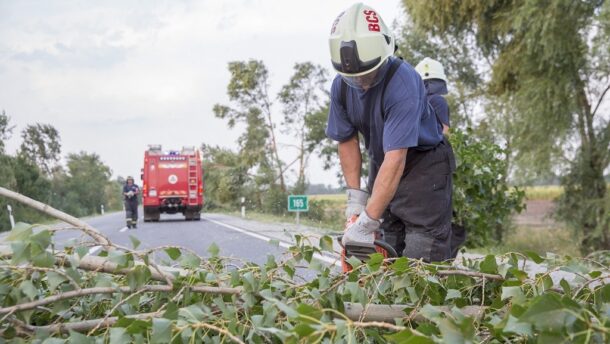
(360, 42)
(431, 69)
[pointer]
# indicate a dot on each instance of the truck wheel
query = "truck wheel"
(197, 217)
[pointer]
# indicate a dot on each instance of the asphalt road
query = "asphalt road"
(174, 230)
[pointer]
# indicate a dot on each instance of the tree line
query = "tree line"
(79, 187)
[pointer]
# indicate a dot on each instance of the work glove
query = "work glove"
(130, 194)
(356, 202)
(362, 230)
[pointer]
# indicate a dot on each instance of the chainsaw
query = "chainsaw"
(362, 250)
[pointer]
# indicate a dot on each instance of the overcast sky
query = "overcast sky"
(114, 76)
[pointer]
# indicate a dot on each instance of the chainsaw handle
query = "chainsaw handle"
(389, 249)
(384, 245)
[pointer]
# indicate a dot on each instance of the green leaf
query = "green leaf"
(374, 262)
(118, 257)
(400, 265)
(28, 288)
(534, 256)
(138, 276)
(453, 294)
(42, 238)
(161, 331)
(78, 338)
(138, 326)
(409, 336)
(326, 243)
(21, 252)
(118, 335)
(213, 250)
(21, 231)
(489, 265)
(190, 261)
(513, 292)
(513, 325)
(173, 253)
(565, 286)
(55, 280)
(547, 313)
(82, 251)
(192, 313)
(595, 274)
(354, 262)
(44, 259)
(309, 311)
(171, 311)
(303, 330)
(134, 242)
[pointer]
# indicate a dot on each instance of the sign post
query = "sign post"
(10, 215)
(243, 207)
(298, 204)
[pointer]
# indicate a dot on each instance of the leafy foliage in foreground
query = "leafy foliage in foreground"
(217, 299)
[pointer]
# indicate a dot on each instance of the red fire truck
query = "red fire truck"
(172, 183)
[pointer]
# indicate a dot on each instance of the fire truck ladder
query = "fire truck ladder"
(193, 181)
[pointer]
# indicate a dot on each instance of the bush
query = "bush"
(483, 202)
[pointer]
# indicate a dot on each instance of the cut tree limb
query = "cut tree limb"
(47, 209)
(387, 313)
(113, 290)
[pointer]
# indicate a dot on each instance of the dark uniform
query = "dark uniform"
(417, 221)
(435, 89)
(131, 205)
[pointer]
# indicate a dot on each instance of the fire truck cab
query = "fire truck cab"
(172, 183)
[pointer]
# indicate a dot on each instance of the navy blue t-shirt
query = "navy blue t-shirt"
(409, 121)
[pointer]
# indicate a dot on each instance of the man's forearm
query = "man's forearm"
(351, 161)
(386, 182)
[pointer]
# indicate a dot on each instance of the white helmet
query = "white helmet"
(360, 42)
(431, 69)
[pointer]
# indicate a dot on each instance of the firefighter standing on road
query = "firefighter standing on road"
(411, 163)
(130, 193)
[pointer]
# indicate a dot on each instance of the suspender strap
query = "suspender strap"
(386, 81)
(343, 95)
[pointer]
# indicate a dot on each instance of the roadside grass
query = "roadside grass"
(558, 240)
(319, 226)
(543, 192)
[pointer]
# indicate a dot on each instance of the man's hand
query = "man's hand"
(356, 202)
(361, 231)
(130, 194)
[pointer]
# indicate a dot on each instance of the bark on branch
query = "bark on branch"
(113, 290)
(47, 209)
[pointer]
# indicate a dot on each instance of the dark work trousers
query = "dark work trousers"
(131, 211)
(418, 219)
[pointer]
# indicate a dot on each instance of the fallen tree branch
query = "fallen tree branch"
(387, 313)
(47, 209)
(467, 273)
(81, 326)
(113, 290)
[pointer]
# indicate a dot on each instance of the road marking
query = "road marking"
(123, 229)
(330, 260)
(94, 250)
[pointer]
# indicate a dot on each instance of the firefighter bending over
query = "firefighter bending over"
(130, 193)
